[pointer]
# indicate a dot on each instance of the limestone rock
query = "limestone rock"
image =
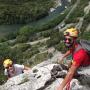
(48, 76)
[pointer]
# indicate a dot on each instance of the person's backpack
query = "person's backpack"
(85, 44)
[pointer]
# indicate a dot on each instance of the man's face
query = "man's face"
(10, 68)
(68, 41)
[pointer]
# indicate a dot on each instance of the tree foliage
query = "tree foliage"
(55, 38)
(78, 12)
(23, 11)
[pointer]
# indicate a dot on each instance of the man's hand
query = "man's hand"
(60, 60)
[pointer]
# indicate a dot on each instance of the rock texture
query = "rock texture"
(87, 8)
(48, 76)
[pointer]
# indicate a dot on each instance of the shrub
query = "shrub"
(23, 47)
(61, 47)
(29, 53)
(55, 38)
(3, 78)
(21, 39)
(40, 57)
(86, 35)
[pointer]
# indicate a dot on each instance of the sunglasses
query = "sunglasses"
(8, 66)
(69, 39)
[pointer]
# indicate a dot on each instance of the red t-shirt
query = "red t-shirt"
(81, 58)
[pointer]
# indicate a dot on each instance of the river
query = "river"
(4, 29)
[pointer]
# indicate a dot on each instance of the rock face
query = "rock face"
(47, 76)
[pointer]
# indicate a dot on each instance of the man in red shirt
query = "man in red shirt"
(80, 56)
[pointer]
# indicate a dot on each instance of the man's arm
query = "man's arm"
(67, 53)
(68, 77)
(64, 56)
